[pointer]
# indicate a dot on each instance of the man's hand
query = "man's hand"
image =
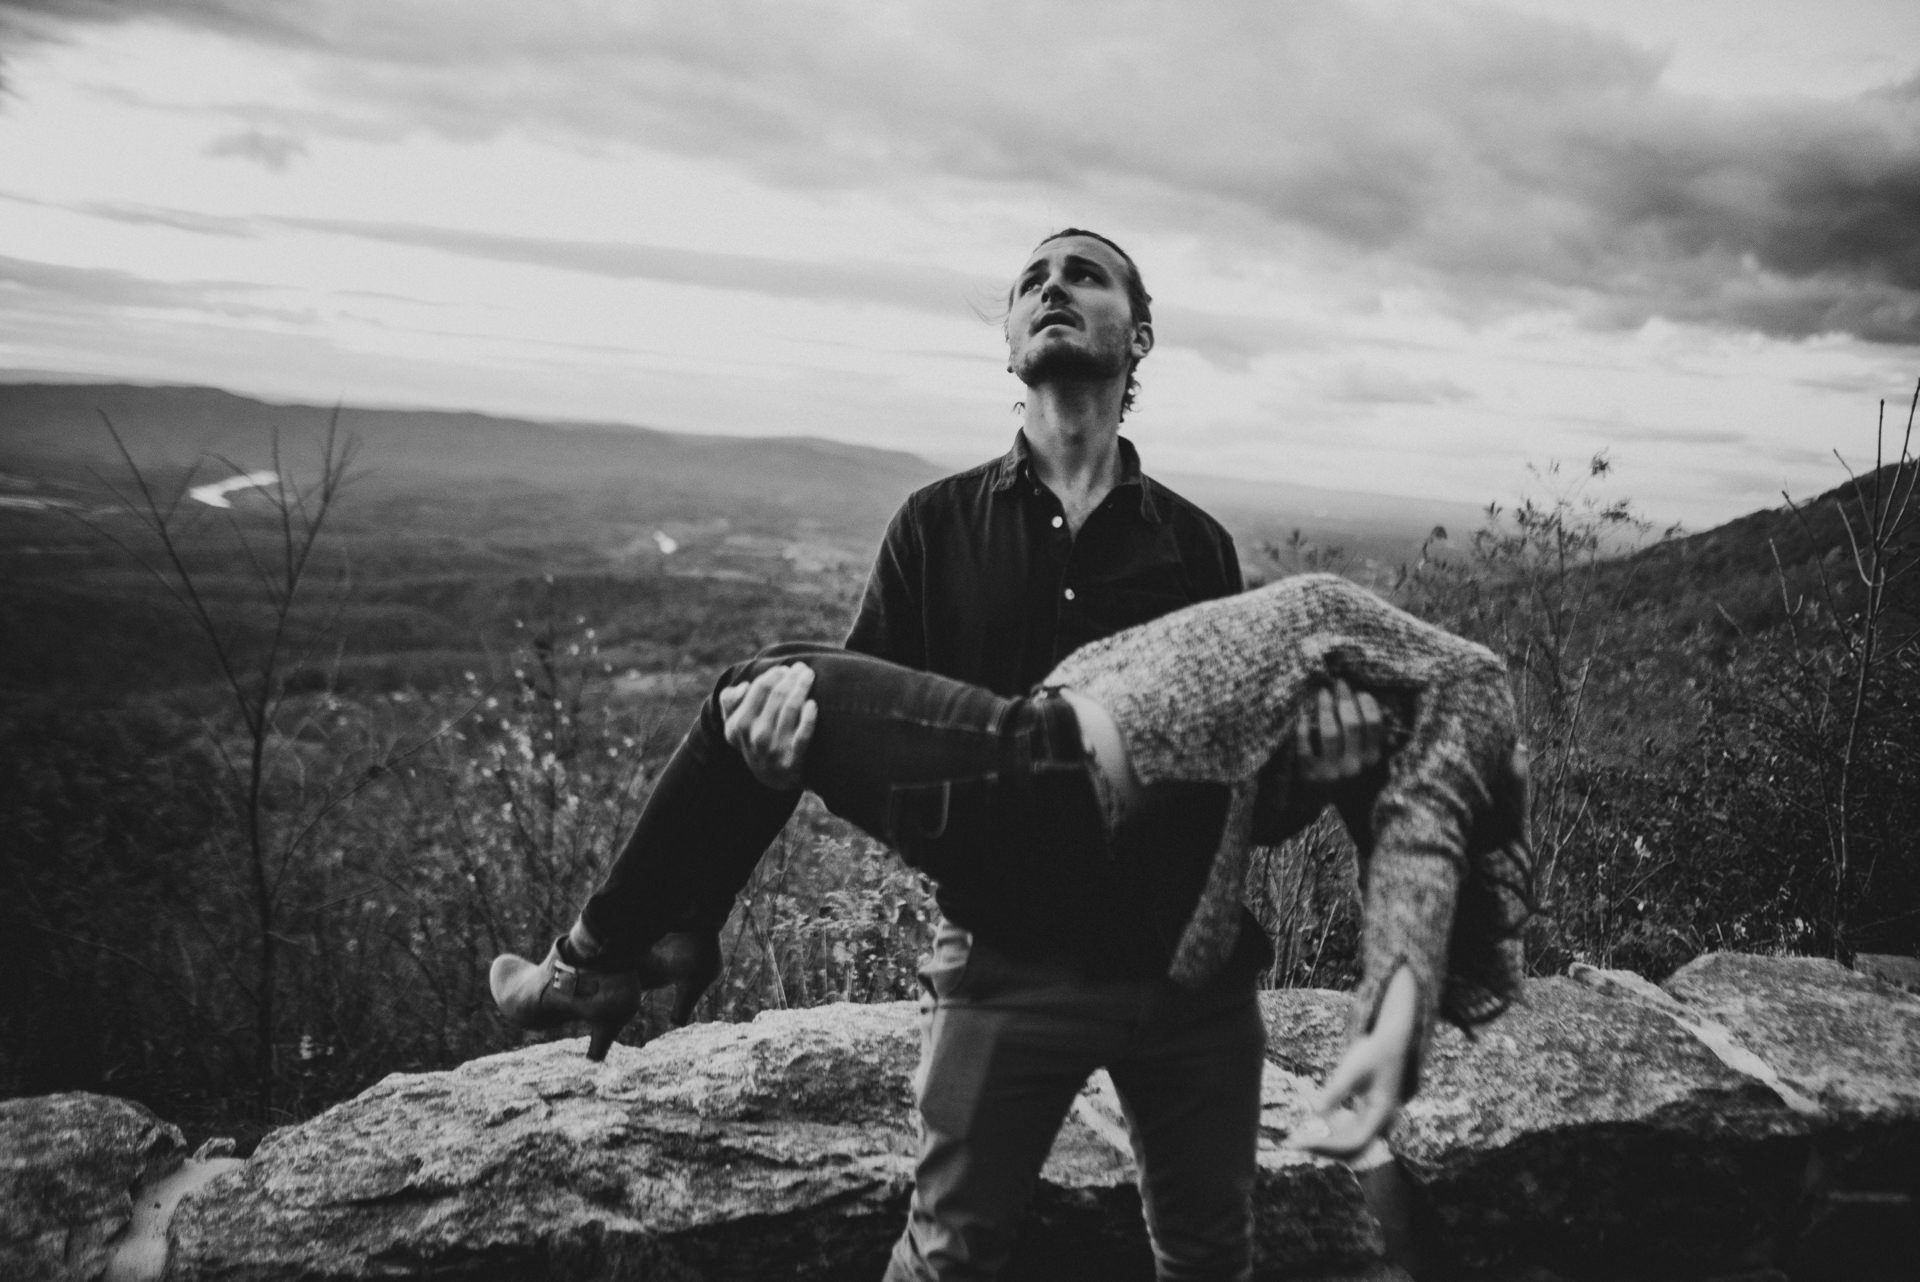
(1370, 1074)
(770, 723)
(1341, 736)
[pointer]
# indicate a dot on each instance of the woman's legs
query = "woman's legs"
(964, 783)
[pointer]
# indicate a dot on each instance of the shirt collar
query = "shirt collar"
(1016, 466)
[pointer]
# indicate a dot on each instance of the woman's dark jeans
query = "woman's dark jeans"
(990, 794)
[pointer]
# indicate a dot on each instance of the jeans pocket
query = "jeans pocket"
(948, 828)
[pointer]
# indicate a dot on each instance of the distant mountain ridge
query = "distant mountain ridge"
(177, 426)
(845, 487)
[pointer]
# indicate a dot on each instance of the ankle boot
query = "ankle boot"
(553, 992)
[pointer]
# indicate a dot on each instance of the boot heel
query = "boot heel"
(600, 1039)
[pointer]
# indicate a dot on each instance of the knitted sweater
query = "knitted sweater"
(1210, 694)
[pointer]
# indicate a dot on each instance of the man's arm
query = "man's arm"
(890, 623)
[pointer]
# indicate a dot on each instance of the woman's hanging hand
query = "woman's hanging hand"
(1369, 1075)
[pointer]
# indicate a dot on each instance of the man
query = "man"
(992, 576)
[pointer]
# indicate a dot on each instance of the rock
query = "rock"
(1310, 1215)
(1852, 1045)
(782, 1148)
(218, 1147)
(1859, 1237)
(140, 1254)
(1888, 968)
(1837, 1037)
(1623, 983)
(779, 1148)
(69, 1167)
(1582, 1133)
(1756, 1118)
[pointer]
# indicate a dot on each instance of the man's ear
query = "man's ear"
(1142, 339)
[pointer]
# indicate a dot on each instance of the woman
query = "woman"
(1028, 798)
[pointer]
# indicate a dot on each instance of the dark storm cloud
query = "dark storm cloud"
(1496, 160)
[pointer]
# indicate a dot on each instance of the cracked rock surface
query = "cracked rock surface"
(69, 1167)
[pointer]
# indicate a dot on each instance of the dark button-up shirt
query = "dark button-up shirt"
(980, 579)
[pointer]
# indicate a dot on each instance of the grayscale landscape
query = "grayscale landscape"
(407, 410)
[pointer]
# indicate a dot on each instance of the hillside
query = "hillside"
(1728, 580)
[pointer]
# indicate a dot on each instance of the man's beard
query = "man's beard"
(1065, 363)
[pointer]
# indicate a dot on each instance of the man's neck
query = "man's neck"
(1073, 444)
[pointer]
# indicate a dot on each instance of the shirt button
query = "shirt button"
(1059, 521)
(1069, 594)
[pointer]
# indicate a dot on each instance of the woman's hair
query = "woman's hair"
(1139, 301)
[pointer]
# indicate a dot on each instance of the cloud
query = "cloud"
(927, 289)
(1614, 431)
(922, 289)
(1229, 341)
(1497, 161)
(1385, 385)
(270, 151)
(61, 286)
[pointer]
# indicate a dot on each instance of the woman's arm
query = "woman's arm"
(1371, 1074)
(1413, 837)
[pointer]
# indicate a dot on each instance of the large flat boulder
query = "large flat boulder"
(1848, 1047)
(1844, 1040)
(1581, 1132)
(782, 1148)
(70, 1166)
(775, 1148)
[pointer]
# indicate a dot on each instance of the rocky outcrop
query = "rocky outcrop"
(1753, 1118)
(69, 1168)
(1848, 1046)
(778, 1148)
(1751, 1114)
(1580, 1131)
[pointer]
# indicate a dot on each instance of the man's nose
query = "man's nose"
(1053, 287)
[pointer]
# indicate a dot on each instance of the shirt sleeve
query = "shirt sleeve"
(1212, 560)
(1230, 567)
(890, 621)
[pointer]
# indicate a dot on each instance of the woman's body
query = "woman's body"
(1036, 798)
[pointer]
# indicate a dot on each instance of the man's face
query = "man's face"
(1070, 318)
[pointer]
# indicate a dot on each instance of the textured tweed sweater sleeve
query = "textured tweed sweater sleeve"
(1210, 694)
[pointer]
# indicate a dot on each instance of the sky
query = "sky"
(1421, 249)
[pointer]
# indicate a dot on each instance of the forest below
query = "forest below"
(283, 776)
